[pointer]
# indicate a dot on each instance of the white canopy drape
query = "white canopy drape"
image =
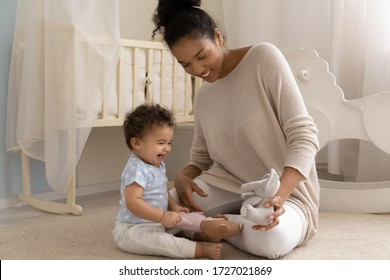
(352, 35)
(64, 58)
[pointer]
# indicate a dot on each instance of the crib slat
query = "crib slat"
(121, 80)
(104, 91)
(187, 99)
(175, 91)
(163, 76)
(136, 100)
(149, 77)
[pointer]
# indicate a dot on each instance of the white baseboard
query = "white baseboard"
(52, 195)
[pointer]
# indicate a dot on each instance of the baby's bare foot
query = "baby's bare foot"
(212, 251)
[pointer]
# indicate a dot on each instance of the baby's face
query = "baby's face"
(155, 146)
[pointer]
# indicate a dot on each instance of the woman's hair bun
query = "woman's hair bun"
(175, 19)
(167, 8)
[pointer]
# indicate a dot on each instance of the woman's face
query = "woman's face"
(201, 57)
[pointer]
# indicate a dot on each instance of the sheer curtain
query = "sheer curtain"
(352, 35)
(64, 59)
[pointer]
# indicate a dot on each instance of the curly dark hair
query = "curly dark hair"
(175, 19)
(144, 118)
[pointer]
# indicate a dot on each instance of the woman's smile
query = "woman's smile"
(204, 76)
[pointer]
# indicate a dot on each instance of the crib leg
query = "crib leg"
(69, 207)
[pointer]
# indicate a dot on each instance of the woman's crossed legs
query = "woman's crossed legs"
(273, 243)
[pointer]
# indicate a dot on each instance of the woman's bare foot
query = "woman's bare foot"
(212, 251)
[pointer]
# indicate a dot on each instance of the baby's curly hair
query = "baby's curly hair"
(144, 118)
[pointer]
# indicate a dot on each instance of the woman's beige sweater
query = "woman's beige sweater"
(252, 120)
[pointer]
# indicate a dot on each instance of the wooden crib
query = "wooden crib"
(147, 72)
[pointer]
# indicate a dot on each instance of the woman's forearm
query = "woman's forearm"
(191, 171)
(288, 182)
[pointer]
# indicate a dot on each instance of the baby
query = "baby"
(147, 211)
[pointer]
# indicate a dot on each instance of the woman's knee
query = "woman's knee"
(276, 244)
(271, 244)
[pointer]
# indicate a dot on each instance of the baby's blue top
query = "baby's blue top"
(152, 179)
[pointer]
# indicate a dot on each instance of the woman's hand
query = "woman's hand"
(288, 182)
(178, 208)
(185, 186)
(276, 202)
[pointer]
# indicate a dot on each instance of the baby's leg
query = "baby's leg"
(152, 239)
(190, 221)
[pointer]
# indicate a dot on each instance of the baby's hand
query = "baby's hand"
(170, 219)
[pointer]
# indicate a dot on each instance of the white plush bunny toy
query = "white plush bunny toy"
(256, 194)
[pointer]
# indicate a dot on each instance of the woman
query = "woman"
(249, 118)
